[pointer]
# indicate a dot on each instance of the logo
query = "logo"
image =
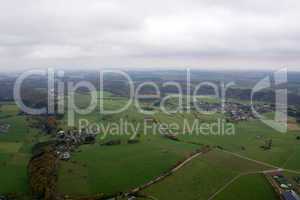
(279, 123)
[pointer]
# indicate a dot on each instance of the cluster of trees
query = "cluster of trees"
(47, 124)
(42, 170)
(268, 144)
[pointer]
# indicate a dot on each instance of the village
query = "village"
(67, 142)
(234, 111)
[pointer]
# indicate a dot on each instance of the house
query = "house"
(60, 135)
(4, 128)
(290, 195)
(65, 156)
(282, 181)
(131, 198)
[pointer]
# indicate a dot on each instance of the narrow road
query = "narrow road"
(261, 163)
(186, 162)
(250, 159)
(275, 169)
(160, 178)
(224, 187)
(231, 181)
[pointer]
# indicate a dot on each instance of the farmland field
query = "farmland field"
(250, 136)
(203, 177)
(101, 169)
(247, 188)
(112, 169)
(15, 150)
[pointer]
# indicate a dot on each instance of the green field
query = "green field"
(248, 188)
(95, 168)
(15, 150)
(111, 169)
(201, 178)
(13, 169)
(248, 138)
(84, 166)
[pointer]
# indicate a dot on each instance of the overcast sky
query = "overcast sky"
(204, 34)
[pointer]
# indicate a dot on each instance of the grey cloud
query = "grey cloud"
(149, 33)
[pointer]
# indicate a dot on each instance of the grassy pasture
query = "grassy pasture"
(109, 102)
(111, 169)
(249, 137)
(10, 147)
(17, 130)
(248, 188)
(15, 150)
(117, 168)
(202, 177)
(13, 169)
